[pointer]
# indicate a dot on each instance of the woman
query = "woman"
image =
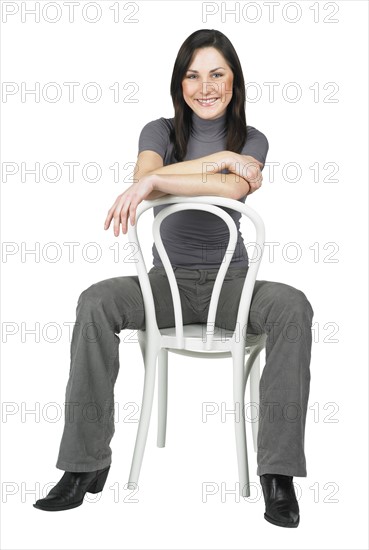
(208, 130)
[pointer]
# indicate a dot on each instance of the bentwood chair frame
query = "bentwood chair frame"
(188, 340)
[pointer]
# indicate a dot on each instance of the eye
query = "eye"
(191, 76)
(217, 74)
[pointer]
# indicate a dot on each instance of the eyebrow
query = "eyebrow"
(212, 70)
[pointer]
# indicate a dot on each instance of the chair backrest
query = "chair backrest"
(211, 204)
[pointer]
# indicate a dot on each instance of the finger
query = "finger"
(124, 220)
(117, 215)
(108, 219)
(254, 183)
(116, 222)
(110, 213)
(252, 173)
(124, 213)
(132, 212)
(135, 201)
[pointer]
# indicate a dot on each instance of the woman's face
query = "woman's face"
(208, 83)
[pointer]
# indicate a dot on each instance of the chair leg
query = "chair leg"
(142, 342)
(162, 396)
(238, 357)
(144, 422)
(254, 399)
(252, 369)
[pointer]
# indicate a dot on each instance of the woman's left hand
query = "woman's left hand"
(248, 168)
(126, 204)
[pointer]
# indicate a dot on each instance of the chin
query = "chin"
(202, 113)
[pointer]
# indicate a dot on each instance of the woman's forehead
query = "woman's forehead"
(204, 57)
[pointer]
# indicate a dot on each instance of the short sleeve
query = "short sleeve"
(256, 145)
(154, 136)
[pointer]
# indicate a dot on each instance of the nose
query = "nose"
(207, 88)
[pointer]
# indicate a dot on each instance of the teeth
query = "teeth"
(207, 100)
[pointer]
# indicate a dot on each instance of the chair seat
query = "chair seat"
(194, 338)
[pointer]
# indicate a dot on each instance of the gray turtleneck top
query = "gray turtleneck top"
(196, 239)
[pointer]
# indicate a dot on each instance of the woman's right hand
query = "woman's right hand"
(126, 204)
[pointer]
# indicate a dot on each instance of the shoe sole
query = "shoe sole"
(59, 508)
(280, 523)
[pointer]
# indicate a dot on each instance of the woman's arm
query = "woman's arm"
(150, 185)
(247, 167)
(210, 164)
(154, 141)
(220, 185)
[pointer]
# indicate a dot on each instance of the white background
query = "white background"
(329, 57)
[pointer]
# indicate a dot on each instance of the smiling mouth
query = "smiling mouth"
(207, 102)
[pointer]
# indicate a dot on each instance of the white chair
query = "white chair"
(189, 339)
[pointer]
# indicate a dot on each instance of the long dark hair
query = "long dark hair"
(235, 115)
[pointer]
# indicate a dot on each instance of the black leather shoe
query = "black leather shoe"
(70, 491)
(281, 506)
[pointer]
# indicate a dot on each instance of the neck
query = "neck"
(208, 130)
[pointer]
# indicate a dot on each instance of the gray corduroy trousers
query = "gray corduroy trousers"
(109, 306)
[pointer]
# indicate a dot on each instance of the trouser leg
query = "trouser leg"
(103, 310)
(285, 315)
